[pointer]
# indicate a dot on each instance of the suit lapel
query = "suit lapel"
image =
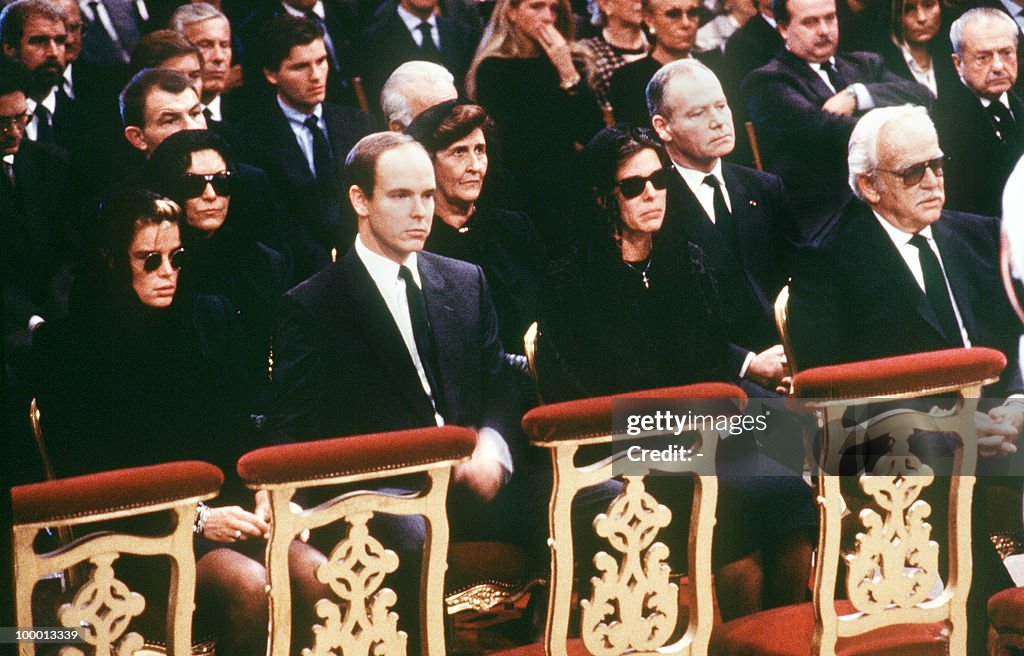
(750, 237)
(957, 263)
(444, 323)
(804, 71)
(285, 149)
(382, 335)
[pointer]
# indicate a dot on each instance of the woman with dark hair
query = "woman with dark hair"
(195, 169)
(633, 309)
(140, 373)
(918, 46)
(467, 225)
(523, 74)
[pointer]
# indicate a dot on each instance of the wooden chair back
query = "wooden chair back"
(754, 149)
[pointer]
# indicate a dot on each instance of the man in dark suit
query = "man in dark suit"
(901, 275)
(337, 18)
(737, 215)
(414, 30)
(208, 29)
(981, 122)
(805, 102)
(301, 141)
(751, 47)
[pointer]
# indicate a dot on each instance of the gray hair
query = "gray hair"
(862, 155)
(657, 88)
(956, 30)
(196, 12)
(393, 96)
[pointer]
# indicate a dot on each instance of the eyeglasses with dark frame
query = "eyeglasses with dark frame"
(17, 120)
(633, 186)
(152, 260)
(191, 185)
(913, 174)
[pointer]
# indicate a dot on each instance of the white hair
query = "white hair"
(956, 30)
(862, 155)
(394, 100)
(193, 13)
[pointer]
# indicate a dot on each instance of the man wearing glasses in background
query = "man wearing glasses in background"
(901, 275)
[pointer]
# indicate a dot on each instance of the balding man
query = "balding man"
(981, 121)
(413, 87)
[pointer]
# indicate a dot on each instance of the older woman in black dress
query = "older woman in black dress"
(140, 373)
(632, 309)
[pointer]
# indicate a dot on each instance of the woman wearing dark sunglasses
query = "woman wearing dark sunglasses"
(634, 309)
(195, 169)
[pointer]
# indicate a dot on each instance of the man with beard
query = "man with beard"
(34, 34)
(805, 102)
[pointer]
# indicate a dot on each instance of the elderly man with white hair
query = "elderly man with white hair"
(413, 87)
(900, 275)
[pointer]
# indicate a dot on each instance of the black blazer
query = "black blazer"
(979, 162)
(341, 367)
(387, 44)
(805, 145)
(627, 90)
(747, 286)
(750, 47)
(316, 222)
(945, 73)
(853, 298)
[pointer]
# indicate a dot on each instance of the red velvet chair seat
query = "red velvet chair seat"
(121, 489)
(789, 630)
(1006, 610)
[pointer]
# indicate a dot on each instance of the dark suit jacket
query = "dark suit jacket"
(749, 48)
(746, 286)
(341, 367)
(945, 73)
(387, 44)
(979, 162)
(805, 145)
(315, 219)
(627, 90)
(853, 298)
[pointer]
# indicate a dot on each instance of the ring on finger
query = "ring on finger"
(238, 534)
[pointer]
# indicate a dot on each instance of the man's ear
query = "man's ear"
(868, 187)
(660, 125)
(10, 51)
(133, 134)
(395, 126)
(270, 75)
(360, 203)
(783, 32)
(957, 64)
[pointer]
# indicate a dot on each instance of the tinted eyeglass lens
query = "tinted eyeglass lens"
(634, 186)
(154, 260)
(193, 186)
(915, 173)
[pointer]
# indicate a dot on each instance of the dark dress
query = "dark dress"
(506, 246)
(604, 332)
(539, 126)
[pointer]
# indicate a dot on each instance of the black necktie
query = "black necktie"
(936, 290)
(44, 127)
(7, 179)
(1002, 119)
(323, 160)
(724, 220)
(423, 335)
(427, 45)
(208, 115)
(833, 76)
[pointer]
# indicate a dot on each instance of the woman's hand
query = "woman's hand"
(559, 52)
(263, 510)
(232, 524)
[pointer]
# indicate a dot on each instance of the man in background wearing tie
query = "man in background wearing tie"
(805, 102)
(736, 215)
(208, 29)
(900, 275)
(34, 34)
(300, 140)
(981, 122)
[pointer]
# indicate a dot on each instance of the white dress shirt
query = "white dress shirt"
(911, 256)
(50, 103)
(705, 194)
(927, 78)
(412, 23)
(296, 121)
(860, 92)
(215, 113)
(384, 273)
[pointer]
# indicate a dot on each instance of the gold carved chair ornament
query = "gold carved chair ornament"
(103, 606)
(893, 604)
(358, 620)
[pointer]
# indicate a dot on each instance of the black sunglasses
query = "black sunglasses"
(154, 259)
(633, 186)
(913, 175)
(190, 185)
(677, 13)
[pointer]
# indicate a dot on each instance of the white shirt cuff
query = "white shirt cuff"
(746, 364)
(864, 99)
(492, 446)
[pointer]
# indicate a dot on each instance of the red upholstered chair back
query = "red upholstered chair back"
(634, 607)
(893, 567)
(103, 606)
(284, 470)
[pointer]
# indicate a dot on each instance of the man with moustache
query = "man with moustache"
(981, 121)
(300, 141)
(805, 102)
(34, 34)
(737, 215)
(900, 275)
